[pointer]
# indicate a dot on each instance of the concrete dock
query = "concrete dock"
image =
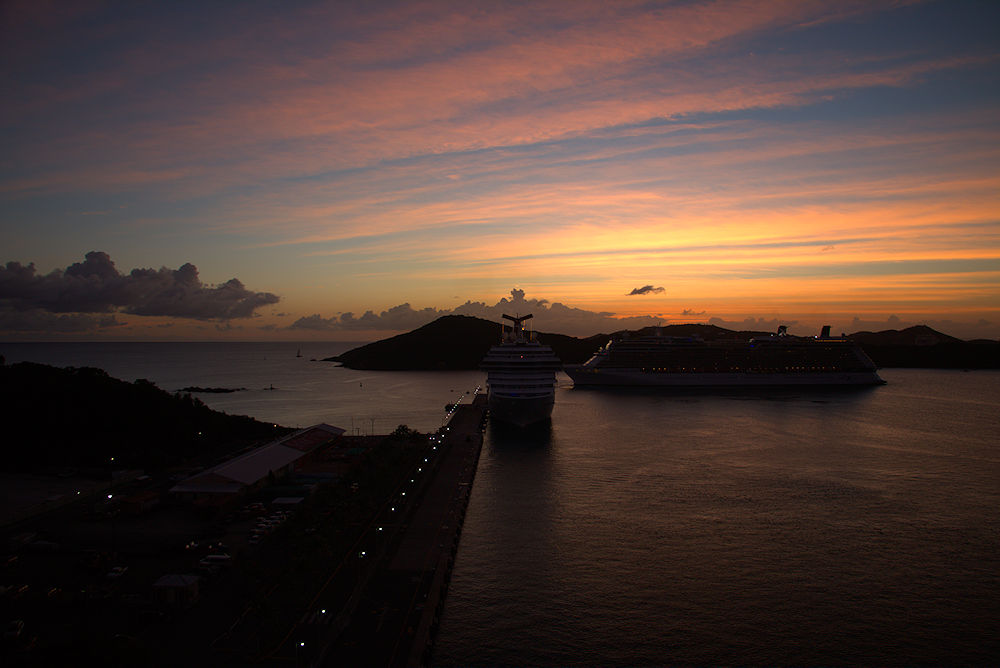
(399, 599)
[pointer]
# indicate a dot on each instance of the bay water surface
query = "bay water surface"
(646, 528)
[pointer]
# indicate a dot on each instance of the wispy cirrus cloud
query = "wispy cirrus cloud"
(425, 143)
(492, 81)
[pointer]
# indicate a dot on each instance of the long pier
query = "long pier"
(398, 600)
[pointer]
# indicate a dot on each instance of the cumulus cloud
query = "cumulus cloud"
(691, 311)
(645, 290)
(549, 317)
(752, 324)
(96, 286)
(892, 322)
(402, 317)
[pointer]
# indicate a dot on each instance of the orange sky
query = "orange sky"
(804, 162)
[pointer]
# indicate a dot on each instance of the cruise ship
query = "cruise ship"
(521, 375)
(777, 359)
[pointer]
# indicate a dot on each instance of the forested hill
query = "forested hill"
(78, 418)
(452, 342)
(460, 342)
(923, 347)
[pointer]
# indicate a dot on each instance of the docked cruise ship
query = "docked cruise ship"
(778, 359)
(521, 375)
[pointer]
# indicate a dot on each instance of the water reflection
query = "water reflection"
(649, 527)
(506, 437)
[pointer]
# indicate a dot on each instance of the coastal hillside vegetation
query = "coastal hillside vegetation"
(452, 342)
(79, 418)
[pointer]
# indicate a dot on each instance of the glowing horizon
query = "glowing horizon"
(809, 162)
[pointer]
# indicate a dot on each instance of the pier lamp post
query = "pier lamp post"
(111, 507)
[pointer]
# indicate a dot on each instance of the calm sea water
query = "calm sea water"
(642, 528)
(307, 391)
(806, 528)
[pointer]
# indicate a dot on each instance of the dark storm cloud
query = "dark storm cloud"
(549, 317)
(645, 290)
(96, 286)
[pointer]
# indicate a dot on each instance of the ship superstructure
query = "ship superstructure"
(521, 375)
(778, 359)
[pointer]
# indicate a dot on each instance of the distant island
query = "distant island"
(455, 342)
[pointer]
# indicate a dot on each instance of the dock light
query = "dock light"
(404, 494)
(109, 496)
(380, 528)
(363, 553)
(323, 611)
(419, 470)
(302, 644)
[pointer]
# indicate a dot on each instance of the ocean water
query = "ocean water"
(306, 390)
(648, 528)
(783, 527)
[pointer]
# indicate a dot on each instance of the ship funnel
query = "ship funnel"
(825, 334)
(517, 320)
(517, 329)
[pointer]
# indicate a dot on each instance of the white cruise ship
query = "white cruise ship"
(521, 375)
(779, 359)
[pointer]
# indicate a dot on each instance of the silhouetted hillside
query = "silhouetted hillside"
(81, 417)
(459, 342)
(451, 342)
(918, 335)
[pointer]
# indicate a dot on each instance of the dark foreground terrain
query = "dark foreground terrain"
(103, 565)
(74, 420)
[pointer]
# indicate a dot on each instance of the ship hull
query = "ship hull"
(520, 412)
(583, 377)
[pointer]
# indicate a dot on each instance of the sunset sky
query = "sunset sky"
(603, 164)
